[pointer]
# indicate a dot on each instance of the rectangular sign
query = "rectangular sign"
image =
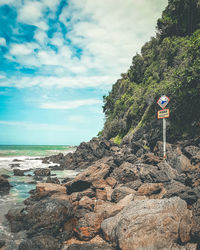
(163, 113)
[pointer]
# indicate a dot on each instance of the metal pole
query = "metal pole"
(164, 137)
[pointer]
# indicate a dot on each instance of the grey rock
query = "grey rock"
(149, 224)
(18, 172)
(42, 172)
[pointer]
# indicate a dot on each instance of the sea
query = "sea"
(28, 158)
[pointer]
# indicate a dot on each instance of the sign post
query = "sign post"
(163, 114)
(164, 137)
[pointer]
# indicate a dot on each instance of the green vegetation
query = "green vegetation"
(168, 64)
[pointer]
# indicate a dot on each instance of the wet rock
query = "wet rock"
(45, 216)
(14, 165)
(57, 167)
(52, 180)
(16, 217)
(48, 216)
(44, 242)
(38, 178)
(42, 172)
(18, 172)
(4, 186)
(5, 176)
(149, 224)
(2, 243)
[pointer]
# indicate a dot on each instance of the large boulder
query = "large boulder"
(47, 216)
(149, 224)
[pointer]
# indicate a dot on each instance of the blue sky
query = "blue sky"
(57, 60)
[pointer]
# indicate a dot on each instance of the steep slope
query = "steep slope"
(168, 64)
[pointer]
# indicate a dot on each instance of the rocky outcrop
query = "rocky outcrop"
(131, 198)
(84, 156)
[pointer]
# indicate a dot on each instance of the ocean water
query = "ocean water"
(33, 150)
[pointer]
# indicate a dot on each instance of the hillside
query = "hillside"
(168, 64)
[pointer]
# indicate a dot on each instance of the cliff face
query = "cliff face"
(168, 64)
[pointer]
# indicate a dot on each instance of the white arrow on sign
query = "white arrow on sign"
(163, 101)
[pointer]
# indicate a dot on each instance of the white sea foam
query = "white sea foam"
(25, 162)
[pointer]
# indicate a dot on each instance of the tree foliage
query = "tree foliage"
(168, 64)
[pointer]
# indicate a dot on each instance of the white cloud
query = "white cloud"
(31, 12)
(36, 126)
(2, 2)
(52, 4)
(61, 82)
(2, 41)
(70, 104)
(107, 32)
(41, 36)
(2, 77)
(22, 49)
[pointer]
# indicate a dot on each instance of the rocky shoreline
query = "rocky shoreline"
(128, 197)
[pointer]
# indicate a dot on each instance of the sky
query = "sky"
(57, 60)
